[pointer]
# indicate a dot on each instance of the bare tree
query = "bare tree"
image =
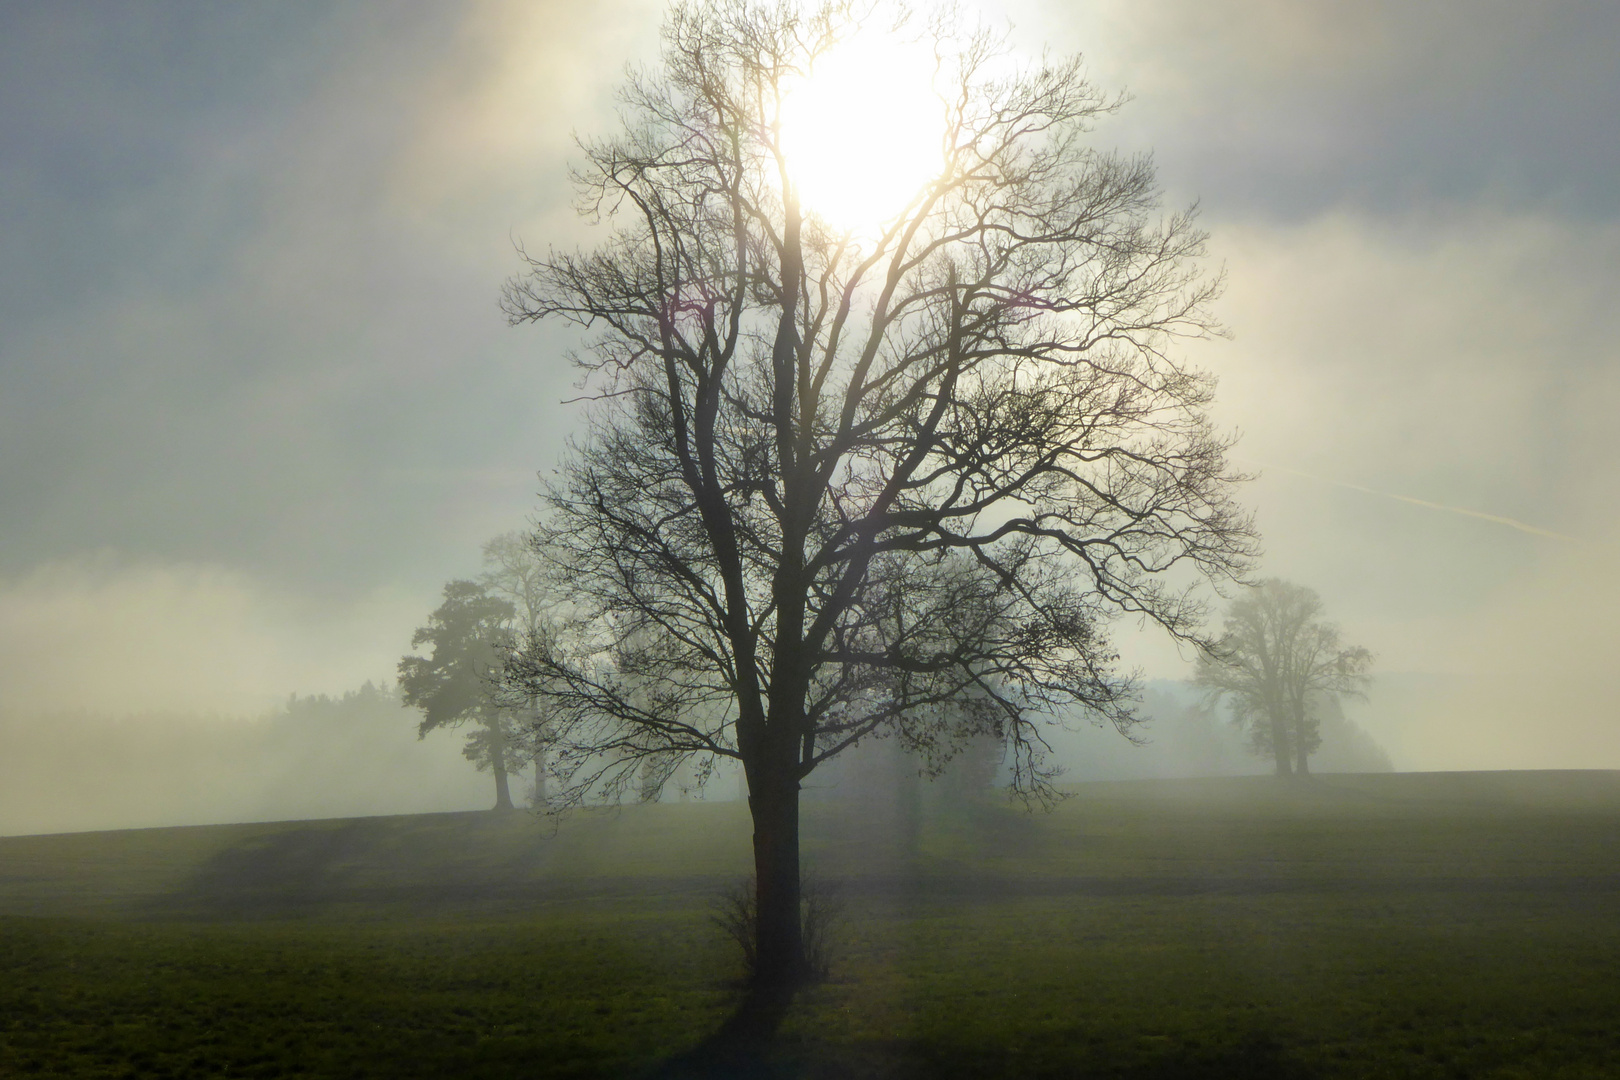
(852, 483)
(1275, 663)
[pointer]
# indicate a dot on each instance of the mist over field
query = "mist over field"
(257, 404)
(357, 755)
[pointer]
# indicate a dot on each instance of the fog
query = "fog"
(257, 403)
(353, 756)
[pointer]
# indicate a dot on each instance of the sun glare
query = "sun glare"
(862, 133)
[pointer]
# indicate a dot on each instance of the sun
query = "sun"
(863, 132)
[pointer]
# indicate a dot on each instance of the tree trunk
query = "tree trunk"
(1302, 751)
(537, 728)
(779, 958)
(497, 764)
(1280, 745)
(542, 798)
(503, 793)
(908, 801)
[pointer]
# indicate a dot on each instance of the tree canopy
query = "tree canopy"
(470, 635)
(1274, 662)
(890, 478)
(513, 571)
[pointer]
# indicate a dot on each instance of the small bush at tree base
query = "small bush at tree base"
(821, 911)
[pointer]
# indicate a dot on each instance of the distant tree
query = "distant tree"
(515, 572)
(890, 477)
(1346, 747)
(458, 682)
(1275, 663)
(972, 773)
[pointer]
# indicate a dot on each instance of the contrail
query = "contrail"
(1512, 523)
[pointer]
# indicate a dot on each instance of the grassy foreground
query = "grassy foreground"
(1443, 925)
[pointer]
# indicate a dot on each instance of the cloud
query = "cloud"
(486, 153)
(1276, 108)
(294, 320)
(1466, 361)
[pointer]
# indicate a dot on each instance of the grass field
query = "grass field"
(1441, 925)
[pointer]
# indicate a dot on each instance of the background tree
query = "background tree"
(1275, 662)
(514, 572)
(470, 634)
(887, 477)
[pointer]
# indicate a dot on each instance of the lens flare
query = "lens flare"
(863, 133)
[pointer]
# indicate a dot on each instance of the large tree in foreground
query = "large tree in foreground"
(855, 478)
(1275, 663)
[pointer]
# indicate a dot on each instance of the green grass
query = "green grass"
(570, 997)
(1403, 926)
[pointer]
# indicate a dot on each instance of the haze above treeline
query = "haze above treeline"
(257, 403)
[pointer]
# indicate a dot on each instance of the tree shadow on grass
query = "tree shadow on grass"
(746, 1048)
(743, 1048)
(1255, 1057)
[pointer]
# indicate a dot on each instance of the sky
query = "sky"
(258, 403)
